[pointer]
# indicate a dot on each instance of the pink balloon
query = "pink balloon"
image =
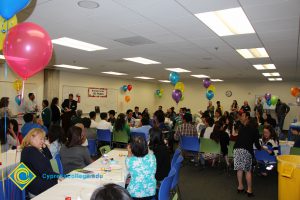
(27, 49)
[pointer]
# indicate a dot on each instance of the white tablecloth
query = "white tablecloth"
(9, 160)
(82, 189)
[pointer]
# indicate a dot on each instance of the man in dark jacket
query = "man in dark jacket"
(281, 110)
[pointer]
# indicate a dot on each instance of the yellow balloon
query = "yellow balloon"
(161, 91)
(18, 84)
(212, 88)
(179, 86)
(3, 28)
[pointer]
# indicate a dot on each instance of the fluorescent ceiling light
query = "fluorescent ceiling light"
(2, 57)
(164, 81)
(69, 42)
(70, 67)
(216, 80)
(200, 76)
(253, 53)
(231, 21)
(144, 77)
(275, 79)
(179, 70)
(271, 74)
(114, 73)
(264, 66)
(141, 60)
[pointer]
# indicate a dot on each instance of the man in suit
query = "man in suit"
(137, 114)
(69, 107)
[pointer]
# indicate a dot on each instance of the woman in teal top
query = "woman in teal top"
(142, 168)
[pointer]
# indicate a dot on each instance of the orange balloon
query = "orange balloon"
(127, 98)
(295, 91)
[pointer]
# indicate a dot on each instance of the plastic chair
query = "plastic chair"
(209, 146)
(104, 135)
(264, 156)
(60, 166)
(104, 149)
(120, 137)
(175, 181)
(295, 151)
(165, 187)
(135, 134)
(175, 156)
(189, 143)
(92, 146)
(11, 191)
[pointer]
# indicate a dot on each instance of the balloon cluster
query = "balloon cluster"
(271, 99)
(124, 88)
(177, 93)
(18, 85)
(159, 92)
(210, 89)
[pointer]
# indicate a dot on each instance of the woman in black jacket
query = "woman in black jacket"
(243, 151)
(55, 110)
(36, 156)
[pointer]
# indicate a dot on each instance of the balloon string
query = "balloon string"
(22, 95)
(5, 65)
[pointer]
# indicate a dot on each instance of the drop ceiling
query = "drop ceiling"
(173, 35)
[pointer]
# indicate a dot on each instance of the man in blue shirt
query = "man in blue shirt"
(28, 118)
(144, 128)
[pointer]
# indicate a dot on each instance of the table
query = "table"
(82, 189)
(9, 160)
(293, 126)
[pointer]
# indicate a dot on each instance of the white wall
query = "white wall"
(7, 90)
(196, 100)
(142, 94)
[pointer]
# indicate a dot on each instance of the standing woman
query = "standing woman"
(56, 111)
(243, 151)
(4, 110)
(46, 114)
(234, 107)
(210, 109)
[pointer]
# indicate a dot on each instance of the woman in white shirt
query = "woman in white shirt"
(56, 138)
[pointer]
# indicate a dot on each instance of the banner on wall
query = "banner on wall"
(97, 92)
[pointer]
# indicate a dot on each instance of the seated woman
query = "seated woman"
(36, 156)
(73, 154)
(141, 166)
(111, 191)
(121, 128)
(14, 129)
(269, 143)
(161, 153)
(56, 139)
(8, 138)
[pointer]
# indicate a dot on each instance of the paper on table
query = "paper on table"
(114, 175)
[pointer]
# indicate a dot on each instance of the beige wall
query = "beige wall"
(142, 94)
(6, 87)
(195, 95)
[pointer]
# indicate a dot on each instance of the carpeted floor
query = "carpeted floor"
(215, 184)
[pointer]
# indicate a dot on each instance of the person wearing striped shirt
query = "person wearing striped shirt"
(187, 128)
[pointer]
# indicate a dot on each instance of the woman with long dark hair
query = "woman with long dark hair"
(121, 126)
(4, 110)
(56, 111)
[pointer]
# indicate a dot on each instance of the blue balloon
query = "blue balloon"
(269, 103)
(174, 77)
(124, 88)
(157, 92)
(210, 94)
(8, 8)
(18, 99)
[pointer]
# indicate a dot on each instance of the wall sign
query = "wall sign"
(97, 92)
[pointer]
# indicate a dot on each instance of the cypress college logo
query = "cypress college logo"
(22, 176)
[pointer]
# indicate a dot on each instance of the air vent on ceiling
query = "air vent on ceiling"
(134, 41)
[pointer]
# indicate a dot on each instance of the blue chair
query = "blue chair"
(189, 143)
(104, 135)
(92, 146)
(11, 191)
(264, 156)
(60, 166)
(175, 181)
(135, 134)
(175, 156)
(165, 187)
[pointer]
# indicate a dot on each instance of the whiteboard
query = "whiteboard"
(264, 102)
(7, 90)
(87, 104)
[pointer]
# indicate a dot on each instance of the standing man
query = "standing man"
(137, 114)
(246, 108)
(46, 114)
(259, 107)
(31, 105)
(281, 110)
(69, 107)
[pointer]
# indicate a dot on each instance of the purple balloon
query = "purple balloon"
(206, 82)
(268, 96)
(176, 95)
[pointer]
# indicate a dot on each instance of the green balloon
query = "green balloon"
(274, 100)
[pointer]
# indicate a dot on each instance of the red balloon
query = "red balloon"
(129, 87)
(27, 49)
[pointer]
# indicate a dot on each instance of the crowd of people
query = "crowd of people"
(61, 130)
